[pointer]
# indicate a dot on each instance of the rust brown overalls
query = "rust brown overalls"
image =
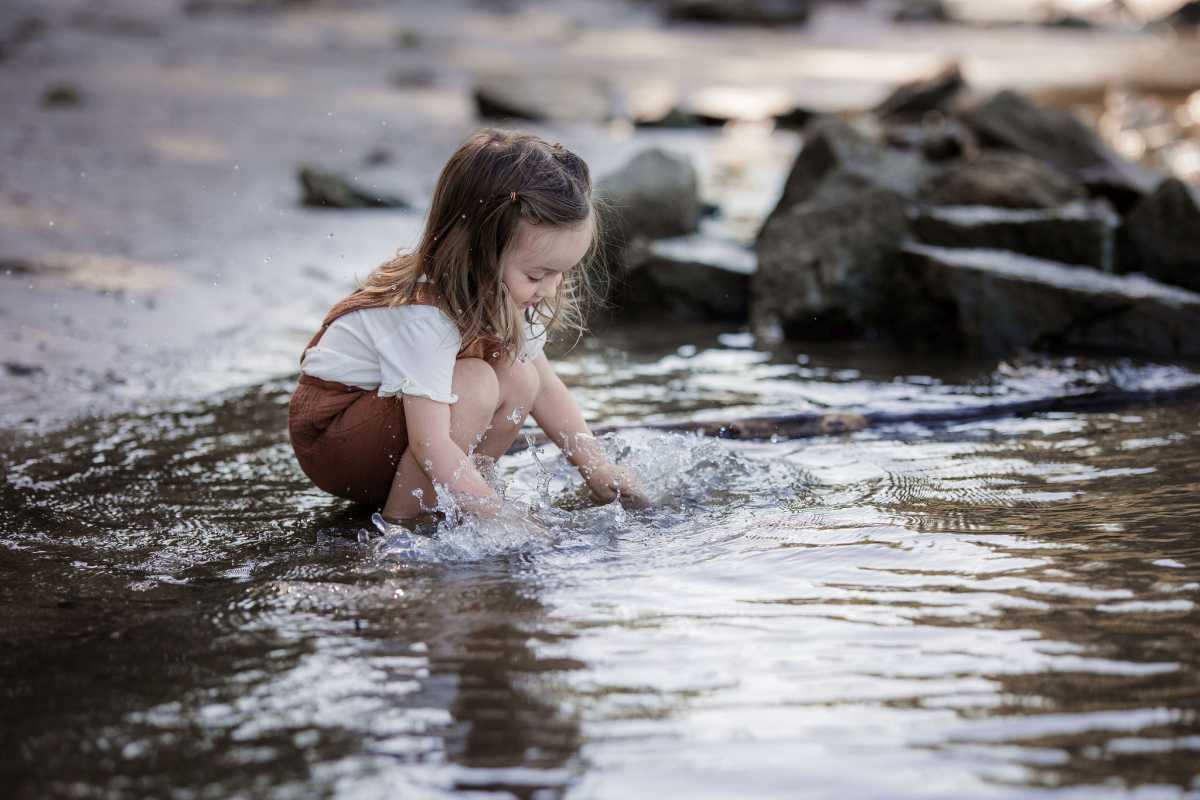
(349, 440)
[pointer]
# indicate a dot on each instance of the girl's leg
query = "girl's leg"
(519, 386)
(478, 396)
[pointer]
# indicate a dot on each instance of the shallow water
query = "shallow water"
(1001, 608)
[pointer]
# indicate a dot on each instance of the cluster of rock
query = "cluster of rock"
(939, 221)
(986, 224)
(663, 268)
(796, 12)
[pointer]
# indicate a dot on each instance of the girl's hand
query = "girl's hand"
(609, 481)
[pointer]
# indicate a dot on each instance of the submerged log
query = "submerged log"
(810, 424)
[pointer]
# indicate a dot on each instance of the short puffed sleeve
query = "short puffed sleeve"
(417, 346)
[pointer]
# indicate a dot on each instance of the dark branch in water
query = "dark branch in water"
(802, 426)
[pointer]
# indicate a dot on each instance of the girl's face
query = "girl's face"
(534, 261)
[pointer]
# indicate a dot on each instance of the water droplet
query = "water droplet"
(267, 260)
(51, 223)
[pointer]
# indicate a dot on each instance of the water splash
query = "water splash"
(546, 504)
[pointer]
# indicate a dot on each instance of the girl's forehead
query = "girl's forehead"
(557, 247)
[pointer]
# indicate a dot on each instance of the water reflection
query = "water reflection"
(1006, 605)
(181, 614)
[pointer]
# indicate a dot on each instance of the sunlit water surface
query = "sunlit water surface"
(998, 608)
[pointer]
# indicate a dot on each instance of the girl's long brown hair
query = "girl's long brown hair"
(493, 181)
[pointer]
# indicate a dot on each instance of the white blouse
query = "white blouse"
(408, 349)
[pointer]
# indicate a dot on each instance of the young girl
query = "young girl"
(438, 355)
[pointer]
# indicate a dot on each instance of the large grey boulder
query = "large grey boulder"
(755, 12)
(1010, 120)
(655, 195)
(1008, 180)
(838, 163)
(1161, 236)
(1079, 233)
(995, 302)
(689, 278)
(822, 265)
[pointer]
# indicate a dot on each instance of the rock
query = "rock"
(795, 119)
(923, 11)
(62, 95)
(655, 195)
(1008, 119)
(822, 265)
(919, 97)
(689, 279)
(407, 38)
(377, 156)
(838, 163)
(324, 189)
(937, 138)
(542, 99)
(994, 302)
(17, 266)
(673, 117)
(18, 369)
(1008, 180)
(1080, 233)
(755, 12)
(1187, 16)
(1161, 236)
(1073, 21)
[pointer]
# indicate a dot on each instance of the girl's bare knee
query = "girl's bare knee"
(519, 384)
(476, 384)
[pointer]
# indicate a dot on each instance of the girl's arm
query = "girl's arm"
(560, 417)
(441, 459)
